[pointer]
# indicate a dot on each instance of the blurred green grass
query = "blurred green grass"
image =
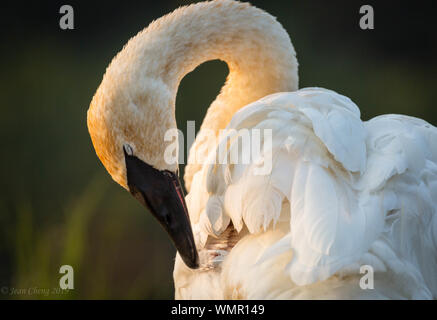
(58, 205)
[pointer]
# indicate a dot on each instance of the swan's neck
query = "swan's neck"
(148, 70)
(257, 49)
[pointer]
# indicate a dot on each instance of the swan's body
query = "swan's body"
(341, 193)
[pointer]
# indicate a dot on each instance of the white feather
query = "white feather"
(342, 193)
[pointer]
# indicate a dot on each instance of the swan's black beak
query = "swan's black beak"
(161, 193)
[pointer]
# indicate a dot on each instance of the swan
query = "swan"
(340, 193)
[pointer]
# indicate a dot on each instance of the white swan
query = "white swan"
(341, 193)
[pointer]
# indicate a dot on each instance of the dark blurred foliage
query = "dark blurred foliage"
(57, 203)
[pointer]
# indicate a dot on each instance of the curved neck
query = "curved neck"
(258, 51)
(136, 99)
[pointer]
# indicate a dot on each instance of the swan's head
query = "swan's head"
(127, 124)
(133, 109)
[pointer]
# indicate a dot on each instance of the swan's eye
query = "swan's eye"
(167, 219)
(128, 149)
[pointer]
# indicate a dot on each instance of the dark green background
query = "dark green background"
(57, 203)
